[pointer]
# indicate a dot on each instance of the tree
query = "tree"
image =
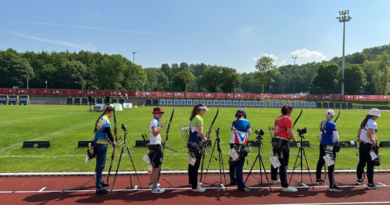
(12, 66)
(354, 79)
(211, 78)
(175, 68)
(184, 66)
(265, 69)
(182, 79)
(198, 69)
(168, 72)
(111, 71)
(229, 78)
(380, 73)
(327, 77)
(249, 83)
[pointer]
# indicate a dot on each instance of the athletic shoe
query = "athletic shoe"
(320, 181)
(335, 188)
(289, 189)
(244, 189)
(373, 187)
(102, 191)
(276, 181)
(157, 190)
(151, 185)
(359, 181)
(104, 184)
(199, 189)
(232, 183)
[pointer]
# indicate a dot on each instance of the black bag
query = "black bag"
(337, 147)
(195, 149)
(376, 161)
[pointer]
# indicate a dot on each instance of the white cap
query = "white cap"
(204, 107)
(375, 112)
(330, 112)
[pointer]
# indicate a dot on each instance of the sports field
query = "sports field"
(64, 126)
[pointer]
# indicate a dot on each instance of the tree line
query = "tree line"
(366, 72)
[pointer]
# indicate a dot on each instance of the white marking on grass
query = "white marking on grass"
(42, 189)
(50, 134)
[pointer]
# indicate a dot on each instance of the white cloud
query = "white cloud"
(267, 55)
(84, 27)
(58, 42)
(308, 56)
(284, 62)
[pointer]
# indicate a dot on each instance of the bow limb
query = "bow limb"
(337, 117)
(297, 119)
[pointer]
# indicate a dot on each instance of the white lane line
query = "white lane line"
(136, 189)
(335, 203)
(42, 189)
(382, 184)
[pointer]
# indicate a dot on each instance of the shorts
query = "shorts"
(156, 156)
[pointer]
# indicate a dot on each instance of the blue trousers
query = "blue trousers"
(101, 154)
(236, 172)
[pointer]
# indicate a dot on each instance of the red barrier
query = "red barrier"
(208, 95)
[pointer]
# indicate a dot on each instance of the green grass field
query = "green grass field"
(64, 126)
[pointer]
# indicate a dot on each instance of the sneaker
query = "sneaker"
(157, 190)
(373, 187)
(289, 189)
(151, 185)
(199, 189)
(102, 191)
(104, 184)
(232, 183)
(335, 188)
(244, 189)
(320, 181)
(276, 181)
(359, 181)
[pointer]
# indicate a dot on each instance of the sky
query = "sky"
(226, 33)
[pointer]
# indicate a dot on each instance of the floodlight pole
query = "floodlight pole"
(344, 17)
(294, 72)
(46, 84)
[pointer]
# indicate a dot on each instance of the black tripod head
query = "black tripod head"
(301, 132)
(259, 137)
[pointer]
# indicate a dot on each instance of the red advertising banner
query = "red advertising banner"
(179, 94)
(208, 95)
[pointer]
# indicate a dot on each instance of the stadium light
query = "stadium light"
(46, 84)
(294, 57)
(344, 17)
(135, 83)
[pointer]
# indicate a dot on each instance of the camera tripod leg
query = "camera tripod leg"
(131, 159)
(221, 163)
(250, 171)
(208, 166)
(262, 163)
(296, 160)
(308, 169)
(116, 173)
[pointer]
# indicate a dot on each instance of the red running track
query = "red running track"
(81, 190)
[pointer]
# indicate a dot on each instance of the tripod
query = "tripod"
(260, 158)
(220, 161)
(302, 154)
(120, 159)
